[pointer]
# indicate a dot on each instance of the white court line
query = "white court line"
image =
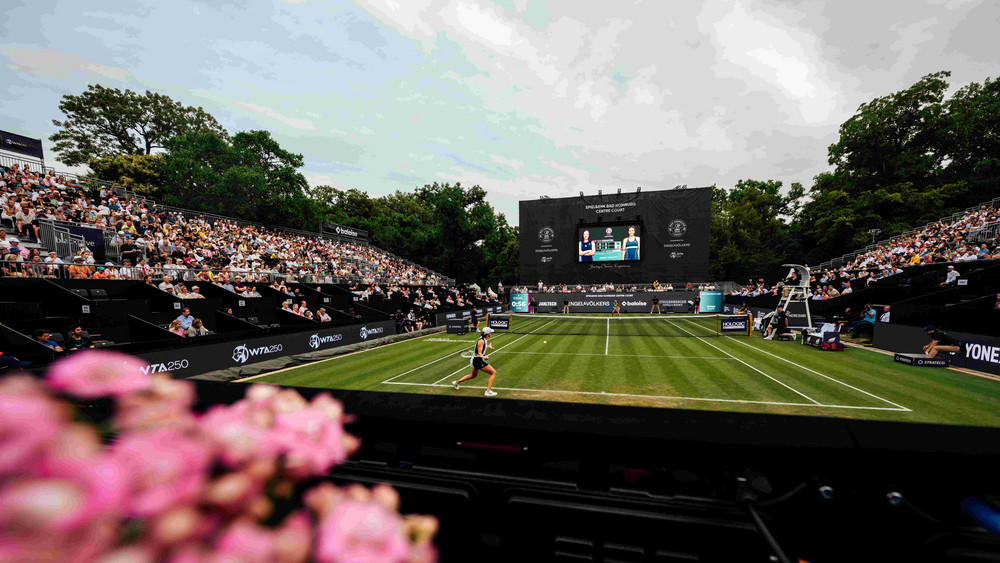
(901, 407)
(608, 339)
(414, 339)
(624, 355)
(664, 397)
(461, 369)
(701, 338)
(446, 356)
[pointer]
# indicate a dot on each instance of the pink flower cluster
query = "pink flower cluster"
(166, 484)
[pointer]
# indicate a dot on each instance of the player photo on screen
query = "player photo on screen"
(602, 243)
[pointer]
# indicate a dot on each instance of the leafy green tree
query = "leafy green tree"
(249, 178)
(135, 172)
(750, 236)
(449, 228)
(904, 160)
(103, 122)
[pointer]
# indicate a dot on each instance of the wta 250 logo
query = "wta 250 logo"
(242, 353)
(315, 341)
(366, 332)
(546, 234)
(677, 228)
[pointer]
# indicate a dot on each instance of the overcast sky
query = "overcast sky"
(523, 97)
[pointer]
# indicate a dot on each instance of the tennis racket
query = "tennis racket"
(469, 354)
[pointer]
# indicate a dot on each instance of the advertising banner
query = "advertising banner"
(631, 302)
(193, 360)
(978, 352)
(710, 302)
(731, 325)
(519, 302)
(94, 238)
(345, 232)
(637, 237)
(20, 144)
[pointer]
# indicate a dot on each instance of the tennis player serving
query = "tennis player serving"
(478, 362)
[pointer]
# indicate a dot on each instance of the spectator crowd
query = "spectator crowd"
(156, 242)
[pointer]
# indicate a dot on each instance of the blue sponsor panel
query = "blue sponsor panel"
(710, 302)
(519, 302)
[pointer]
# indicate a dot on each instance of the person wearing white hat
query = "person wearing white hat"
(478, 362)
(952, 278)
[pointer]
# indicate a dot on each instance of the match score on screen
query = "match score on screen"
(609, 243)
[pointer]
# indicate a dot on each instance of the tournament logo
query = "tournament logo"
(315, 341)
(677, 228)
(346, 231)
(546, 234)
(365, 331)
(546, 259)
(608, 231)
(241, 354)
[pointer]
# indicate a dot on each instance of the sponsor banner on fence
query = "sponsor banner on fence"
(188, 361)
(343, 231)
(637, 302)
(500, 323)
(978, 352)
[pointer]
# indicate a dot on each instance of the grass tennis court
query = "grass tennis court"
(598, 362)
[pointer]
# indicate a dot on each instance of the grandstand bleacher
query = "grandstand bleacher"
(79, 250)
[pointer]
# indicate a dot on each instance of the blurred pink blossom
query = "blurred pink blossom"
(311, 442)
(361, 532)
(29, 419)
(244, 542)
(165, 401)
(239, 437)
(98, 373)
(170, 467)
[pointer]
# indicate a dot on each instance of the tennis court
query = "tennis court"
(664, 361)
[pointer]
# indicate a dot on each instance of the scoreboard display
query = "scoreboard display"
(609, 243)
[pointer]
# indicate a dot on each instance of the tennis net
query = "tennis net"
(663, 325)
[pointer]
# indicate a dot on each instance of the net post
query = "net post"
(718, 324)
(749, 324)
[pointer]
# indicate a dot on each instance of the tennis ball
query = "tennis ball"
(545, 341)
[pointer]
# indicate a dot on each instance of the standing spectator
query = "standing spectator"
(77, 340)
(44, 338)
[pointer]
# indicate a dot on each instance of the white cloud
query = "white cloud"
(766, 53)
(56, 64)
(303, 124)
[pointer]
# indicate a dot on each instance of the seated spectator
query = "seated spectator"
(952, 277)
(197, 329)
(867, 323)
(166, 284)
(175, 327)
(44, 338)
(323, 317)
(185, 318)
(79, 271)
(195, 293)
(76, 340)
(885, 315)
(10, 362)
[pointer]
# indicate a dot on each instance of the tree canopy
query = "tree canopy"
(103, 122)
(446, 227)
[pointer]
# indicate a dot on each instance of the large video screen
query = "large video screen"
(670, 242)
(601, 243)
